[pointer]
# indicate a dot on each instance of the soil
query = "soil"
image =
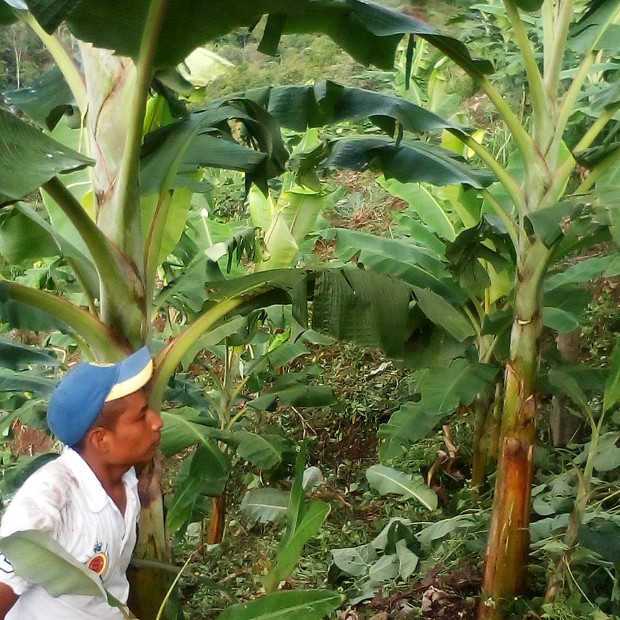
(452, 596)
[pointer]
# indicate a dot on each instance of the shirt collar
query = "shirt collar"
(90, 485)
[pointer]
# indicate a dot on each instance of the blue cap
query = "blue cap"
(79, 398)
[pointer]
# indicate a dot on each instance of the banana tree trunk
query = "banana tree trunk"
(148, 583)
(507, 548)
(486, 436)
(215, 532)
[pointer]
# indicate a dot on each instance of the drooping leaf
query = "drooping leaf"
(40, 560)
(326, 103)
(17, 356)
(387, 480)
(430, 209)
(203, 139)
(548, 222)
(585, 270)
(596, 29)
(25, 381)
(185, 427)
(369, 32)
(566, 384)
(444, 314)
(299, 604)
(45, 100)
(264, 451)
(29, 158)
(565, 307)
(442, 390)
(602, 536)
(24, 234)
(7, 15)
(362, 307)
(402, 258)
(204, 474)
(266, 505)
(408, 162)
(407, 425)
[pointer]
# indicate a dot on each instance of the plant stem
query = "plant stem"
(65, 63)
(568, 104)
(522, 138)
(508, 542)
(549, 25)
(98, 336)
(537, 91)
(118, 298)
(504, 177)
(97, 243)
(557, 45)
(503, 216)
(168, 359)
(127, 192)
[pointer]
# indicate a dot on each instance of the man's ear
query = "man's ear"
(97, 437)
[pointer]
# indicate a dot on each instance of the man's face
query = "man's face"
(136, 434)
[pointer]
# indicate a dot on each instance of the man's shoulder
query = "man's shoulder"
(53, 482)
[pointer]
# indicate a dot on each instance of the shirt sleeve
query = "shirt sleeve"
(36, 506)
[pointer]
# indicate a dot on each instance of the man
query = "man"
(87, 498)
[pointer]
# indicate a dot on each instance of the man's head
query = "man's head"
(103, 410)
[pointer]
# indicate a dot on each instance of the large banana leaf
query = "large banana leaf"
(431, 209)
(401, 258)
(203, 139)
(326, 103)
(363, 307)
(298, 604)
(369, 32)
(597, 28)
(18, 356)
(42, 561)
(442, 390)
(29, 158)
(24, 234)
(408, 161)
(389, 481)
(265, 505)
(45, 100)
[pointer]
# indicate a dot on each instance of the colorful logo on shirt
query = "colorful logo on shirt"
(98, 563)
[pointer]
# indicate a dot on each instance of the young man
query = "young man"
(87, 498)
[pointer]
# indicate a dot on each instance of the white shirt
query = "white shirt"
(65, 499)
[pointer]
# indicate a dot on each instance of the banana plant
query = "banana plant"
(535, 195)
(117, 171)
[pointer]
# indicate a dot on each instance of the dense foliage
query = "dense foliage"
(351, 188)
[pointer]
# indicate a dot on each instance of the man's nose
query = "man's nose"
(156, 422)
